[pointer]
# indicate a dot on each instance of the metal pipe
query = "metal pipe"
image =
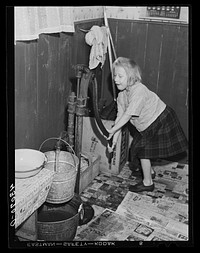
(80, 112)
(71, 118)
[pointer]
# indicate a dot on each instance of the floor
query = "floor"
(161, 215)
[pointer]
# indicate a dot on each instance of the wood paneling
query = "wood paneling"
(43, 80)
(30, 89)
(123, 43)
(181, 78)
(138, 37)
(153, 52)
(20, 96)
(167, 62)
(42, 89)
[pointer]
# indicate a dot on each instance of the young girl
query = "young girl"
(159, 132)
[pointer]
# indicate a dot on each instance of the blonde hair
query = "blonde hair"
(130, 66)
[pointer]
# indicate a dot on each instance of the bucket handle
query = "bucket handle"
(53, 138)
(81, 211)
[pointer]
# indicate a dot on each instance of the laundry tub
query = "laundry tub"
(59, 222)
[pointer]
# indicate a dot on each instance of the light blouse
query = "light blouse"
(143, 105)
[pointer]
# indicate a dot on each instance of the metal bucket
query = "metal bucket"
(65, 166)
(58, 223)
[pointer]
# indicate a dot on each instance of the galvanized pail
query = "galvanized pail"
(65, 165)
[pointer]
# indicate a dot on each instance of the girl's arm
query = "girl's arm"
(117, 133)
(119, 124)
(116, 130)
(114, 141)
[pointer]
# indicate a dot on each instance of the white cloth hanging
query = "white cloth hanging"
(97, 38)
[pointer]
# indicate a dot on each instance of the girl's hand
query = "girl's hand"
(111, 133)
(109, 137)
(110, 149)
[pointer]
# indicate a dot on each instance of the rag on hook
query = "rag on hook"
(97, 38)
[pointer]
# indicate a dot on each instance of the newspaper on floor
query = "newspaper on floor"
(111, 226)
(160, 213)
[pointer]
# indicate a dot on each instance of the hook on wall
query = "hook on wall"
(83, 30)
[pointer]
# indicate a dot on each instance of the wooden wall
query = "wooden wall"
(161, 50)
(44, 73)
(44, 76)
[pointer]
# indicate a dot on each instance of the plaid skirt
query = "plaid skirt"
(163, 138)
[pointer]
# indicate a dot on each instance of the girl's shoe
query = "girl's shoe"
(140, 187)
